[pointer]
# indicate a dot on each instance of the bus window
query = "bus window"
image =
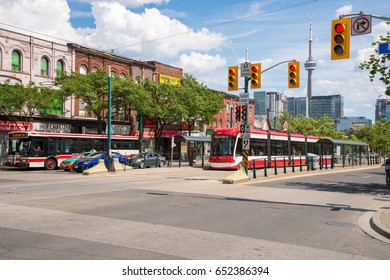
(98, 144)
(55, 145)
(116, 144)
(18, 146)
(85, 145)
(70, 145)
(37, 145)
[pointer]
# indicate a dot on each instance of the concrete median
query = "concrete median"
(237, 177)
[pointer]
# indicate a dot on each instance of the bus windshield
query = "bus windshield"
(222, 145)
(19, 146)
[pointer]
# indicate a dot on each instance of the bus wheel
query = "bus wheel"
(50, 164)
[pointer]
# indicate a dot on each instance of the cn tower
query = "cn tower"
(310, 66)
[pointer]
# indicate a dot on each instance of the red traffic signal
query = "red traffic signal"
(340, 41)
(293, 75)
(255, 75)
(238, 113)
(243, 113)
(233, 78)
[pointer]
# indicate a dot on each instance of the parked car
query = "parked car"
(142, 160)
(67, 164)
(86, 163)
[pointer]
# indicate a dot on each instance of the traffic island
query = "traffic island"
(120, 166)
(237, 177)
(98, 168)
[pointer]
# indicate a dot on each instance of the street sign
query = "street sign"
(360, 25)
(245, 131)
(245, 144)
(243, 98)
(245, 69)
(384, 48)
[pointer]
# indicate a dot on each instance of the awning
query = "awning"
(340, 142)
(200, 139)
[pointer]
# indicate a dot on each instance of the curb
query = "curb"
(377, 225)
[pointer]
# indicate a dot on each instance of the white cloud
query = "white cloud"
(152, 33)
(201, 63)
(344, 10)
(43, 16)
(130, 3)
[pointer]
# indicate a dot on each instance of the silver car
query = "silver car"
(143, 160)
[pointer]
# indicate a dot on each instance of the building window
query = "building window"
(94, 69)
(44, 66)
(83, 69)
(60, 68)
(122, 76)
(16, 61)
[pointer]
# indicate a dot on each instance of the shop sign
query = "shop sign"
(52, 127)
(7, 126)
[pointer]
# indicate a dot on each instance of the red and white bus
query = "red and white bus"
(44, 149)
(266, 147)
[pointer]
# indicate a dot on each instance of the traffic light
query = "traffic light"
(238, 113)
(233, 78)
(243, 113)
(293, 74)
(255, 75)
(341, 35)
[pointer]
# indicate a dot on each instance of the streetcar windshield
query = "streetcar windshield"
(222, 145)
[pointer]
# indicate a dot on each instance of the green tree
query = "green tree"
(323, 127)
(378, 64)
(377, 136)
(91, 88)
(22, 103)
(161, 105)
(199, 102)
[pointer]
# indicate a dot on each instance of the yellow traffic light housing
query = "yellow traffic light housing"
(233, 78)
(255, 75)
(341, 36)
(293, 75)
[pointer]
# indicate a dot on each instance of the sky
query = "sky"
(204, 37)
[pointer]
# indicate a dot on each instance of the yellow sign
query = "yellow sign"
(165, 79)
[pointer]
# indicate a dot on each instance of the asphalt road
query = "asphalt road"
(187, 213)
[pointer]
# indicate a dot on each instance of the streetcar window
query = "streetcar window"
(258, 147)
(279, 148)
(298, 148)
(223, 145)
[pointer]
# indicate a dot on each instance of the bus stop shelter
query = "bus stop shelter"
(344, 152)
(195, 147)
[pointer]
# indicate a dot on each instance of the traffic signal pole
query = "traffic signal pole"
(245, 153)
(363, 14)
(253, 76)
